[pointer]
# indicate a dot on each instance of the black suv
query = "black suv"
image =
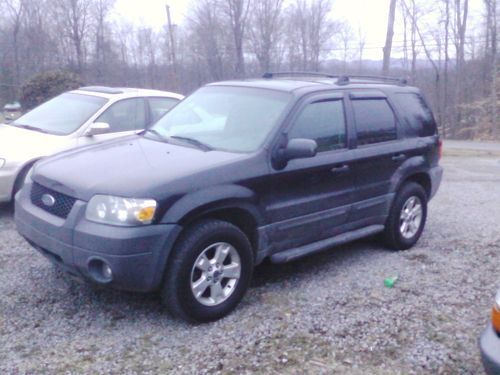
(239, 171)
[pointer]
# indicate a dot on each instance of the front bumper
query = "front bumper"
(489, 343)
(137, 255)
(7, 181)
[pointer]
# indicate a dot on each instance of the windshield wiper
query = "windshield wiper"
(29, 127)
(193, 141)
(155, 132)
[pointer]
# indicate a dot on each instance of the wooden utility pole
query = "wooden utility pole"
(173, 56)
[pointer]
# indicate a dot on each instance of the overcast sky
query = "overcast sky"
(369, 16)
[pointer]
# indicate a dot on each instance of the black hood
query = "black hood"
(130, 167)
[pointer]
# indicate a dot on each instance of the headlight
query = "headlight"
(2, 163)
(121, 211)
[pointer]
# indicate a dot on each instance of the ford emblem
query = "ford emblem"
(48, 200)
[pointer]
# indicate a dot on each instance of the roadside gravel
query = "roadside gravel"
(328, 313)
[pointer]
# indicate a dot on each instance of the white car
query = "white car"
(75, 118)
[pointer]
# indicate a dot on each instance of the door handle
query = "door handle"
(399, 157)
(340, 169)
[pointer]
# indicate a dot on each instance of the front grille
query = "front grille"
(62, 203)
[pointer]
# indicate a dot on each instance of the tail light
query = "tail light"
(495, 314)
(440, 148)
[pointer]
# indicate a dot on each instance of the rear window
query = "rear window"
(418, 118)
(375, 121)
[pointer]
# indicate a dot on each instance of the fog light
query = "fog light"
(100, 271)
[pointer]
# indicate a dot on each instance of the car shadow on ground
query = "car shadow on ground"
(286, 276)
(265, 274)
(6, 211)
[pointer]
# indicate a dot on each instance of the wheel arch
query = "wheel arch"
(21, 175)
(415, 170)
(231, 203)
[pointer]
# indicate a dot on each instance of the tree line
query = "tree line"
(456, 64)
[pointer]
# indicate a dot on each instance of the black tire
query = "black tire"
(393, 236)
(177, 294)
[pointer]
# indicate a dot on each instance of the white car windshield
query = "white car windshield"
(61, 115)
(236, 119)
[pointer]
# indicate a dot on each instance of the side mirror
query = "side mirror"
(296, 148)
(97, 128)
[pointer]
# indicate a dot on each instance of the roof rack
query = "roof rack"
(341, 79)
(345, 79)
(102, 89)
(270, 75)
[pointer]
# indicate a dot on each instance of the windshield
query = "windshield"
(62, 115)
(226, 118)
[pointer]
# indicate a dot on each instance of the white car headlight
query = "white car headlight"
(2, 163)
(121, 211)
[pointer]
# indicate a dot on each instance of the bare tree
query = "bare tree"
(388, 38)
(207, 29)
(264, 29)
(15, 10)
(74, 21)
(311, 28)
(461, 10)
(361, 48)
(491, 59)
(237, 11)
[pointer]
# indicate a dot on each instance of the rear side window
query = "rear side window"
(418, 118)
(375, 121)
(323, 122)
(160, 106)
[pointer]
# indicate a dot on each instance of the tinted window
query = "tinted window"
(324, 122)
(160, 106)
(418, 118)
(125, 115)
(62, 115)
(375, 121)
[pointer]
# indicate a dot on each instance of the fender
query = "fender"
(211, 199)
(414, 165)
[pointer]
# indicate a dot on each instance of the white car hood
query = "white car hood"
(19, 145)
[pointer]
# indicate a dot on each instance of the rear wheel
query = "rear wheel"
(209, 271)
(407, 217)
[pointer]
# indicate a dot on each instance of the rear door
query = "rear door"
(310, 199)
(379, 153)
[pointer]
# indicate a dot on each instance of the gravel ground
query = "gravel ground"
(328, 313)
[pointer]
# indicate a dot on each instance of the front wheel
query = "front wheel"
(209, 271)
(407, 218)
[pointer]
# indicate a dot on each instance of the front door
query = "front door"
(124, 117)
(311, 198)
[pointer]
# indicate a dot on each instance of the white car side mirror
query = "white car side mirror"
(97, 128)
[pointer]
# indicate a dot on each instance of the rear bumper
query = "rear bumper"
(137, 255)
(436, 175)
(489, 343)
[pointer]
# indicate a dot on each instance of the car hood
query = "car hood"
(18, 144)
(129, 167)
